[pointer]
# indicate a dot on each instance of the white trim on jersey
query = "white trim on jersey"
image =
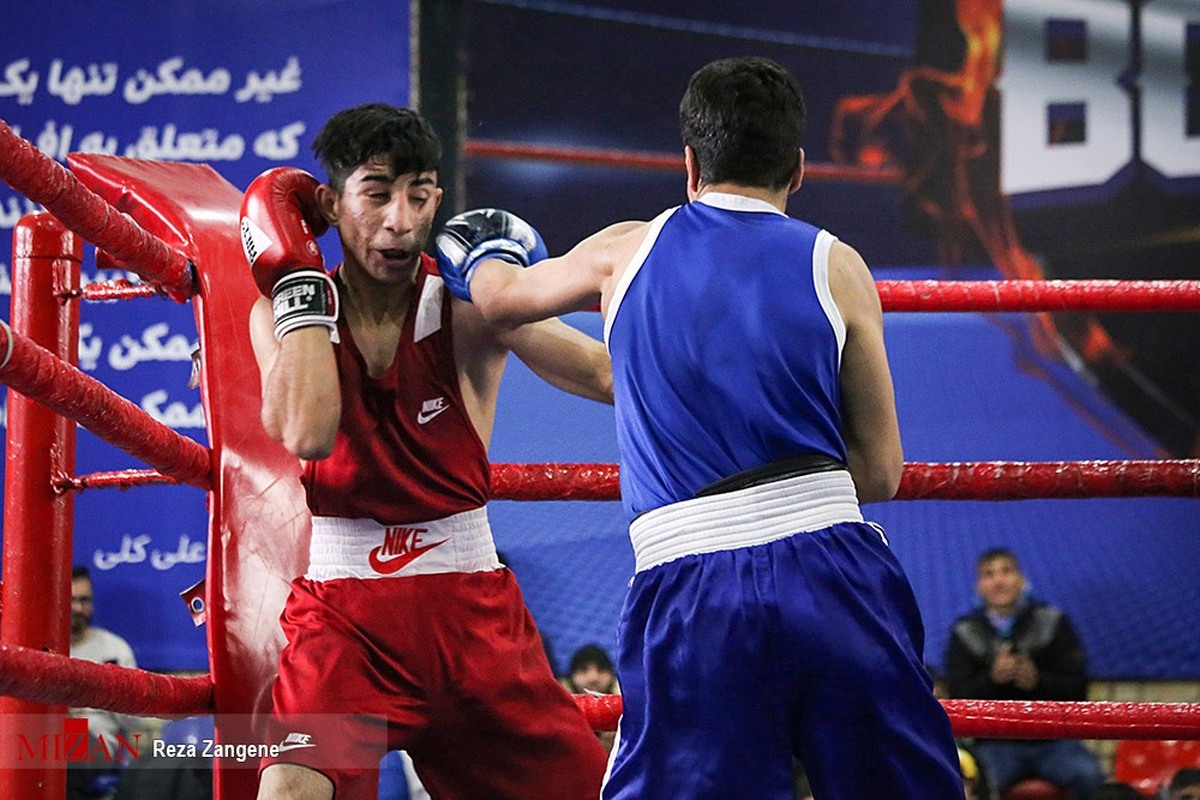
(737, 202)
(635, 264)
(820, 268)
(429, 309)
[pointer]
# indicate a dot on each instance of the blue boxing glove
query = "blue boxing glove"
(472, 237)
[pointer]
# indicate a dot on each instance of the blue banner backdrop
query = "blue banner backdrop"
(239, 86)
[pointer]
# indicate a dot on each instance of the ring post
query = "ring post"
(38, 522)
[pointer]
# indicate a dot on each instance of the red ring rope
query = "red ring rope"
(1073, 720)
(120, 289)
(56, 679)
(45, 181)
(61, 680)
(1008, 719)
(1008, 480)
(118, 479)
(1080, 295)
(42, 376)
(986, 480)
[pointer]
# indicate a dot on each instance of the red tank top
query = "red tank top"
(406, 450)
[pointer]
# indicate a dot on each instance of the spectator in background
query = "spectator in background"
(1185, 785)
(113, 732)
(1014, 647)
(104, 647)
(592, 670)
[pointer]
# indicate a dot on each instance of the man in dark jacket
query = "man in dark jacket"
(1016, 648)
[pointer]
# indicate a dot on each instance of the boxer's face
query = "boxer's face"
(385, 219)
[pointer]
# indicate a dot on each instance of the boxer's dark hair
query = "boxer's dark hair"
(744, 119)
(355, 135)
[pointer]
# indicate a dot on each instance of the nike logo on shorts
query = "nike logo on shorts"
(390, 566)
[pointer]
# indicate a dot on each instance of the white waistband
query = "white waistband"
(363, 548)
(744, 518)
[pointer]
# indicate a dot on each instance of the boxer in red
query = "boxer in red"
(406, 629)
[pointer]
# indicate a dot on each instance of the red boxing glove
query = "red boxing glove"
(280, 226)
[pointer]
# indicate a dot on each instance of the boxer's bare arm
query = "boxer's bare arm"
(582, 278)
(301, 398)
(563, 356)
(869, 424)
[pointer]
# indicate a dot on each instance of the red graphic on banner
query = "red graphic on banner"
(940, 128)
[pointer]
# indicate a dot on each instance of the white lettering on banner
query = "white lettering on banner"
(1163, 81)
(187, 552)
(90, 347)
(134, 550)
(57, 143)
(3, 415)
(53, 142)
(174, 415)
(5, 279)
(1031, 85)
(73, 85)
(279, 145)
(263, 88)
(144, 85)
(97, 142)
(205, 145)
(128, 353)
(16, 84)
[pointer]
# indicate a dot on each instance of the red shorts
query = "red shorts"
(449, 667)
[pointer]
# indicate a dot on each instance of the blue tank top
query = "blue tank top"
(726, 346)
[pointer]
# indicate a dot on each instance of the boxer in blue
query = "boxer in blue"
(755, 412)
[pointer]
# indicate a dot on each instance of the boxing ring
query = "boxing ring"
(175, 225)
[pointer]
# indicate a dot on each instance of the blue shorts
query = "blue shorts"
(735, 661)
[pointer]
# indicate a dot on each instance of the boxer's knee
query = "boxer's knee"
(293, 782)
